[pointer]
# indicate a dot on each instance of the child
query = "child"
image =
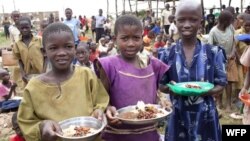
(102, 45)
(7, 90)
(194, 117)
(157, 28)
(28, 50)
(83, 37)
(94, 52)
(111, 49)
(240, 47)
(64, 92)
(43, 25)
(147, 41)
(223, 35)
(82, 56)
(159, 43)
(18, 136)
(128, 81)
(245, 88)
(173, 31)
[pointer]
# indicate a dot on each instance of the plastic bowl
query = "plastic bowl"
(82, 121)
(245, 98)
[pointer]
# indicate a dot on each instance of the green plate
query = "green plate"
(181, 89)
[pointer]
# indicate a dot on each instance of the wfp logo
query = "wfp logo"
(236, 132)
(241, 132)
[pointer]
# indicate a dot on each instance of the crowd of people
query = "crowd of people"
(65, 73)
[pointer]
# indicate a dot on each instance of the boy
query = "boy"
(28, 50)
(82, 56)
(18, 136)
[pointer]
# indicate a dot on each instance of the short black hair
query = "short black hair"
(24, 18)
(225, 16)
(126, 20)
(55, 28)
(68, 9)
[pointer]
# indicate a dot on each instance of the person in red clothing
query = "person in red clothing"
(94, 53)
(159, 42)
(18, 136)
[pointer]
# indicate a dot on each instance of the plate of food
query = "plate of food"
(142, 114)
(190, 88)
(245, 98)
(81, 129)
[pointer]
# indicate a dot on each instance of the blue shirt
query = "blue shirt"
(74, 25)
(156, 30)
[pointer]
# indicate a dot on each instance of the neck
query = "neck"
(189, 43)
(62, 75)
(27, 37)
(221, 27)
(130, 60)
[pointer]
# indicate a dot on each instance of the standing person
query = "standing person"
(53, 90)
(14, 37)
(191, 114)
(28, 50)
(93, 23)
(210, 21)
(99, 26)
(14, 32)
(141, 81)
(246, 86)
(165, 13)
(73, 24)
(223, 35)
(6, 25)
(247, 11)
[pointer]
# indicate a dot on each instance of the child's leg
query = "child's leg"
(246, 115)
(228, 96)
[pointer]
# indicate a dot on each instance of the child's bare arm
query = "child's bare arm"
(12, 90)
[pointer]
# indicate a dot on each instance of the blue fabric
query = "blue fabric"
(192, 114)
(243, 37)
(9, 104)
(156, 30)
(74, 25)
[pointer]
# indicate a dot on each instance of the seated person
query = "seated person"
(7, 88)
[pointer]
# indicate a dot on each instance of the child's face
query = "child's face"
(25, 28)
(15, 16)
(60, 50)
(82, 55)
(246, 26)
(129, 40)
(188, 21)
(5, 76)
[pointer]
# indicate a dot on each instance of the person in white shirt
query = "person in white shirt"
(14, 32)
(99, 28)
(173, 31)
(165, 14)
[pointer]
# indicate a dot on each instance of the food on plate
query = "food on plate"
(78, 131)
(142, 111)
(194, 86)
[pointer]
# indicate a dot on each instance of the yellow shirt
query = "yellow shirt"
(240, 46)
(31, 55)
(80, 95)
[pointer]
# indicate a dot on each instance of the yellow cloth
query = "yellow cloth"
(31, 56)
(80, 95)
(240, 47)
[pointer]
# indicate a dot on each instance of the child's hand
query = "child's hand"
(111, 113)
(243, 91)
(98, 114)
(48, 129)
(14, 85)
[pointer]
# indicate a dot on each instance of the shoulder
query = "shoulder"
(215, 50)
